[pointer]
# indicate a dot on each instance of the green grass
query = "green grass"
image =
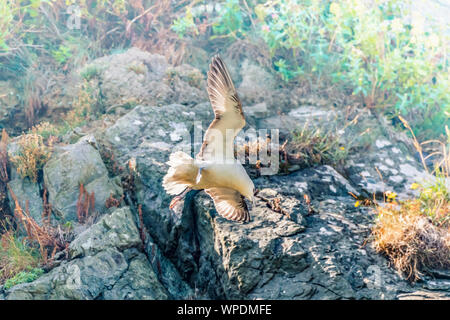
(18, 260)
(23, 277)
(315, 146)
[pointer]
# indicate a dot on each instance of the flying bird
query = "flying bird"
(214, 168)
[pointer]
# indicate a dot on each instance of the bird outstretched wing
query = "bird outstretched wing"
(229, 117)
(229, 203)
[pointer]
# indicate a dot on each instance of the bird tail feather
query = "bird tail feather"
(181, 174)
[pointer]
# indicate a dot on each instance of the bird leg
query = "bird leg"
(178, 198)
(199, 175)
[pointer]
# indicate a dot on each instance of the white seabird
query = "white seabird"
(215, 169)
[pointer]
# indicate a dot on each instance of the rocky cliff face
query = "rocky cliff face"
(316, 249)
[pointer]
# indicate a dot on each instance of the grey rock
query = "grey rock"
(71, 166)
(26, 191)
(255, 80)
(274, 257)
(167, 273)
(115, 230)
(295, 255)
(80, 279)
(241, 256)
(11, 111)
(138, 283)
(139, 77)
(104, 264)
(297, 118)
(386, 168)
(149, 135)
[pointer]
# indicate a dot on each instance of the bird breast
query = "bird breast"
(223, 176)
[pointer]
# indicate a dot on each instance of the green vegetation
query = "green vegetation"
(26, 246)
(46, 130)
(184, 24)
(89, 102)
(434, 200)
(371, 51)
(313, 146)
(43, 40)
(16, 257)
(23, 277)
(90, 72)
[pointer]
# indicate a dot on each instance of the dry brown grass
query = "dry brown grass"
(303, 148)
(415, 234)
(21, 254)
(113, 202)
(49, 239)
(32, 155)
(410, 240)
(156, 19)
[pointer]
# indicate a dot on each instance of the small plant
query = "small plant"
(4, 157)
(410, 240)
(49, 239)
(85, 204)
(113, 202)
(286, 72)
(90, 72)
(312, 146)
(21, 257)
(137, 68)
(184, 24)
(24, 277)
(89, 102)
(414, 233)
(46, 130)
(434, 199)
(231, 20)
(16, 255)
(31, 156)
(62, 54)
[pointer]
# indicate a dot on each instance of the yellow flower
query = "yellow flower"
(391, 195)
(414, 186)
(342, 148)
(357, 204)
